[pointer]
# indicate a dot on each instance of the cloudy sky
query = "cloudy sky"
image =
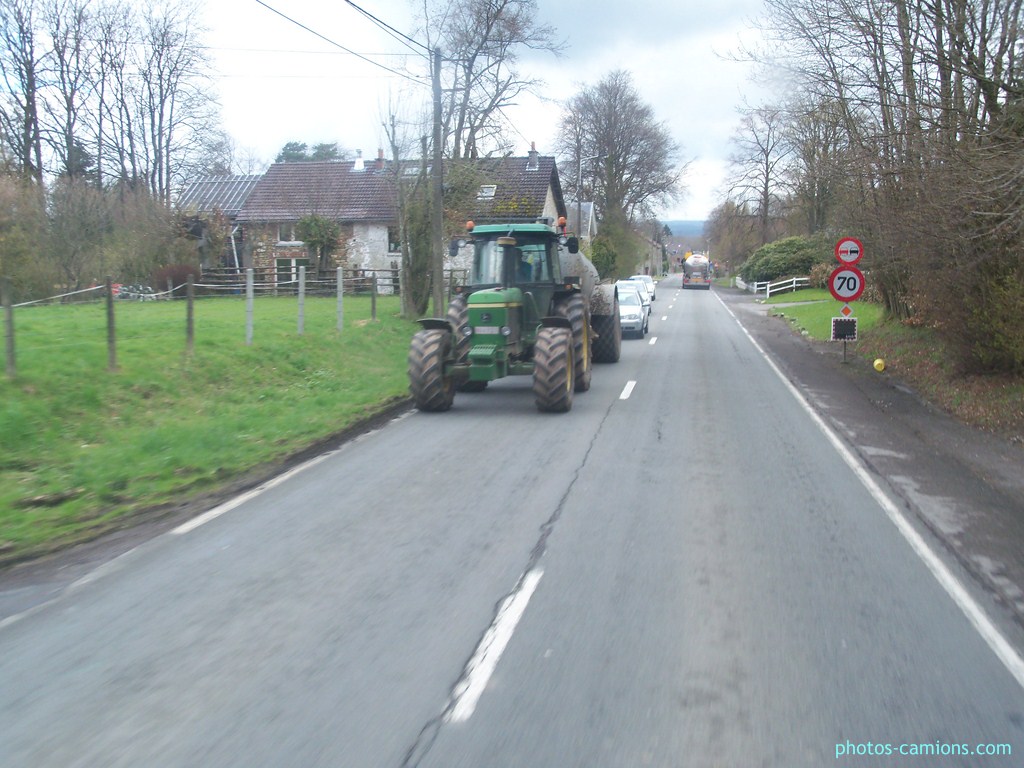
(278, 82)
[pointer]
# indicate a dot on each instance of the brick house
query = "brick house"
(359, 196)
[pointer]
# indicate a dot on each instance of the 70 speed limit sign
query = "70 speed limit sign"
(846, 283)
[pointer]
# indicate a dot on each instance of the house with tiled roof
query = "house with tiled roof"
(359, 196)
(519, 187)
(362, 199)
(514, 188)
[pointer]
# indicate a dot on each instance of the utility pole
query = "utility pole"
(437, 202)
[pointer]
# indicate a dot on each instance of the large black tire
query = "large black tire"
(573, 309)
(608, 344)
(431, 389)
(457, 317)
(553, 379)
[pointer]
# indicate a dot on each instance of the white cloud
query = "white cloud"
(271, 93)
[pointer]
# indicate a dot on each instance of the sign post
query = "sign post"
(846, 284)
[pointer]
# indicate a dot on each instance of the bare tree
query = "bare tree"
(638, 167)
(816, 163)
(481, 41)
(20, 69)
(173, 103)
(68, 29)
(758, 166)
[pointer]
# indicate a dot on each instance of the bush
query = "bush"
(791, 256)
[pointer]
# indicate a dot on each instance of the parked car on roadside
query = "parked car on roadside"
(633, 316)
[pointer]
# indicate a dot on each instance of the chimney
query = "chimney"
(358, 165)
(379, 165)
(532, 162)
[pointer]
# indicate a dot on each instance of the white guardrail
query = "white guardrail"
(769, 288)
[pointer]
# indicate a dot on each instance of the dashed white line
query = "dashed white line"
(664, 317)
(627, 390)
(653, 341)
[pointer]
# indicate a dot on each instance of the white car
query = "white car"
(649, 282)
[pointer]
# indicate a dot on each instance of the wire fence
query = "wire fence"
(250, 284)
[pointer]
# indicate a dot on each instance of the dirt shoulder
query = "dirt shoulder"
(964, 483)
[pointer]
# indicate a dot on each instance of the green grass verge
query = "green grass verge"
(918, 356)
(81, 447)
(813, 315)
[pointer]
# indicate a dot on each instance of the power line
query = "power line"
(339, 45)
(388, 27)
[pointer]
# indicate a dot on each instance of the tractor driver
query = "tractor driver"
(525, 272)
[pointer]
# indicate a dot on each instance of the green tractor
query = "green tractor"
(533, 306)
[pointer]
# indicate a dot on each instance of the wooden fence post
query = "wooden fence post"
(8, 301)
(373, 298)
(111, 332)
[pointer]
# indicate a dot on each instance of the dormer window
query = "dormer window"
(487, 191)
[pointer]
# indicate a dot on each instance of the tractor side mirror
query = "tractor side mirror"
(573, 244)
(455, 244)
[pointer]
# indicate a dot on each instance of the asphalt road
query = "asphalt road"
(685, 570)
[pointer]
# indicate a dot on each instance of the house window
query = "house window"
(487, 192)
(286, 233)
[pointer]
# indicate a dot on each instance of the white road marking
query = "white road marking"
(627, 390)
(238, 501)
(995, 640)
(653, 341)
(664, 317)
(478, 671)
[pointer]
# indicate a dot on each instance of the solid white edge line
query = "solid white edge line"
(480, 668)
(1000, 646)
(237, 501)
(627, 390)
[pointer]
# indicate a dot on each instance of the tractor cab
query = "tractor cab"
(523, 257)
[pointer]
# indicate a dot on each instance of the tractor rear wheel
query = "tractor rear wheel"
(431, 388)
(553, 379)
(608, 344)
(573, 309)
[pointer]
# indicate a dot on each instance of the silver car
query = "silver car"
(645, 295)
(632, 315)
(649, 282)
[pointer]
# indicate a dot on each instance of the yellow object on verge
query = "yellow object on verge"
(879, 364)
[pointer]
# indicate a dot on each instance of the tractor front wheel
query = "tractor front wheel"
(431, 388)
(553, 376)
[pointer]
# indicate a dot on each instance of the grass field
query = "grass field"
(81, 447)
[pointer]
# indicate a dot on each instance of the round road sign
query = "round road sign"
(846, 283)
(849, 250)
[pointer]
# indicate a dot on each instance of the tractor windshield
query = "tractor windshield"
(515, 260)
